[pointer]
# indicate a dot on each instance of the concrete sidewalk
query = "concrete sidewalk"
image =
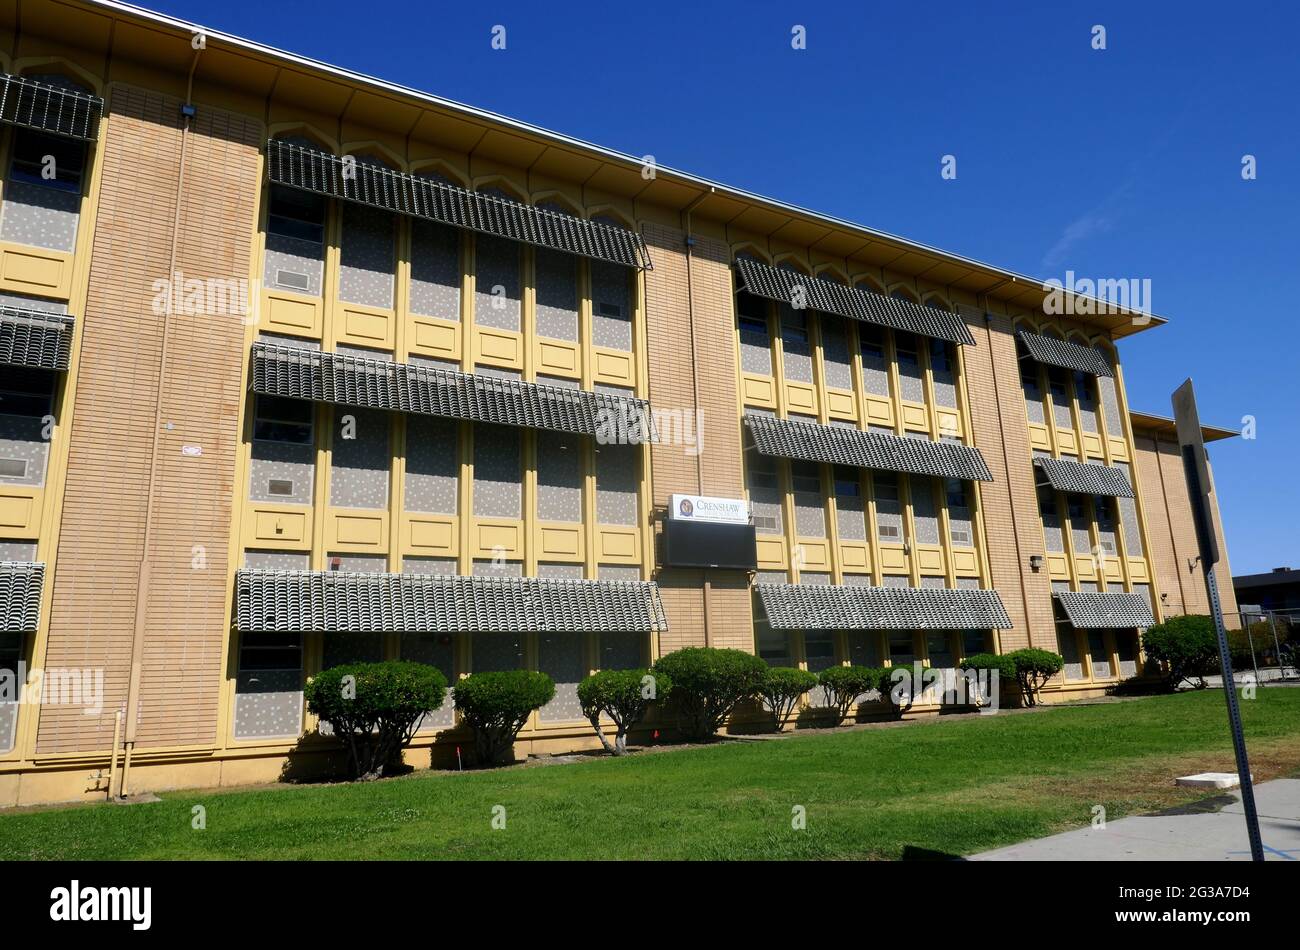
(1218, 836)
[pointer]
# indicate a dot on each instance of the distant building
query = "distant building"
(1279, 589)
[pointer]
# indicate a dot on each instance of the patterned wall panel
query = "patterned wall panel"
(835, 352)
(611, 306)
(435, 270)
(39, 216)
(359, 468)
(559, 476)
(21, 444)
(281, 472)
(618, 473)
(367, 257)
(498, 491)
(439, 650)
(496, 283)
(557, 295)
(432, 465)
(562, 657)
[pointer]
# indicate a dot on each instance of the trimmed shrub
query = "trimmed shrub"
(1034, 667)
(497, 704)
(998, 664)
(844, 684)
(781, 690)
(708, 683)
(899, 695)
(623, 696)
(375, 708)
(1187, 646)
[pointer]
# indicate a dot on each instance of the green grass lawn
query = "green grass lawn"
(956, 786)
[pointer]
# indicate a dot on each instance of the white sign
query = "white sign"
(705, 508)
(192, 451)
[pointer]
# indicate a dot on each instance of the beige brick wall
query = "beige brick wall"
(1172, 532)
(1012, 525)
(680, 366)
(102, 539)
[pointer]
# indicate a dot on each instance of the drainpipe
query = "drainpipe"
(695, 387)
(142, 584)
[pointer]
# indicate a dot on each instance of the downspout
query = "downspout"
(142, 583)
(695, 386)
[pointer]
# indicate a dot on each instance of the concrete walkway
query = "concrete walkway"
(1217, 836)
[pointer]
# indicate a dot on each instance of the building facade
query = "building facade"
(300, 368)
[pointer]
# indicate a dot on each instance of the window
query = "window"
(902, 649)
(773, 645)
(973, 642)
(755, 342)
(1029, 384)
(875, 370)
(806, 487)
(26, 392)
(31, 154)
(960, 529)
(1080, 536)
(798, 350)
(1056, 383)
(909, 366)
(819, 650)
(297, 214)
(1099, 653)
(1105, 509)
(941, 366)
(764, 484)
(846, 482)
(1085, 390)
(889, 512)
(283, 420)
(271, 651)
(925, 516)
(939, 649)
(1052, 536)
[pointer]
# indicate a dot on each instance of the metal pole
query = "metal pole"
(1234, 720)
(1277, 647)
(1253, 662)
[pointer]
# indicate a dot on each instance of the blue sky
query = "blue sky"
(1120, 163)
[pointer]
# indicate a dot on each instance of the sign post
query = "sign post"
(1200, 487)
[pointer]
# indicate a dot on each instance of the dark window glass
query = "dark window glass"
(26, 392)
(29, 160)
(297, 214)
(283, 420)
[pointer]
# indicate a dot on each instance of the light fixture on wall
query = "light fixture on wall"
(1036, 562)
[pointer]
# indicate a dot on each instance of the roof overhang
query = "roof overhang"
(1164, 426)
(258, 70)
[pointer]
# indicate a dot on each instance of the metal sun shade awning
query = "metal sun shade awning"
(1084, 478)
(46, 108)
(20, 596)
(1072, 356)
(299, 373)
(310, 169)
(828, 296)
(35, 338)
(1105, 611)
(823, 607)
(840, 445)
(297, 601)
